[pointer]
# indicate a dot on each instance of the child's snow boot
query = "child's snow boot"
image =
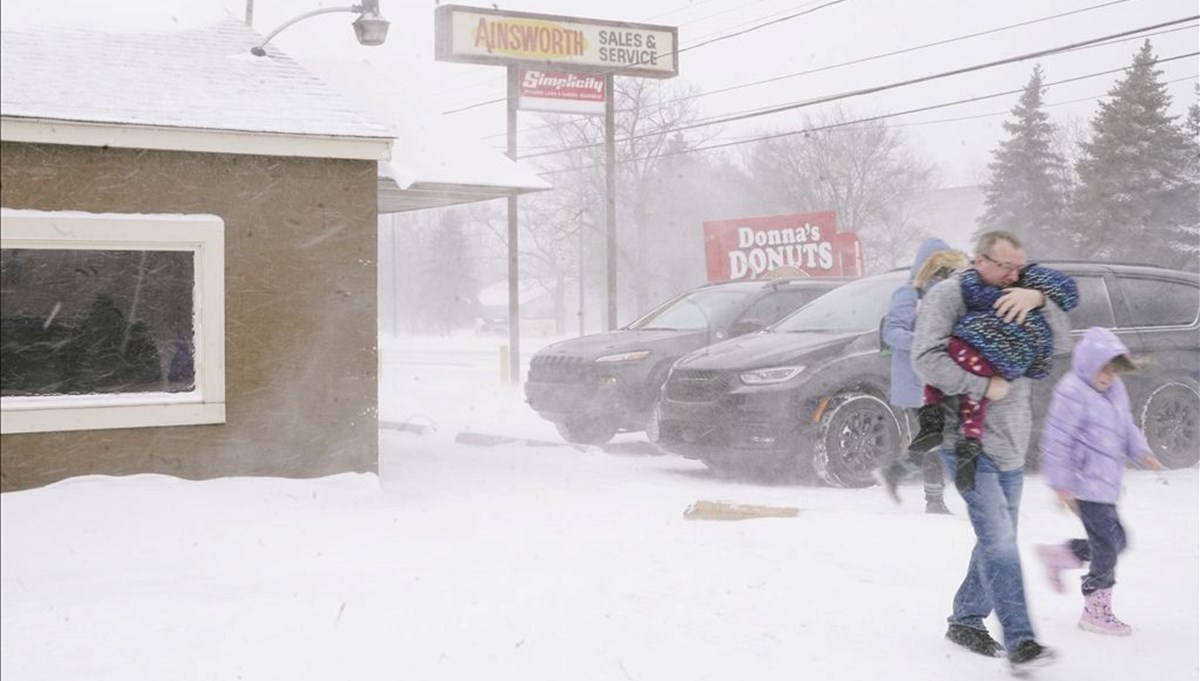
(889, 477)
(931, 420)
(1098, 616)
(1056, 558)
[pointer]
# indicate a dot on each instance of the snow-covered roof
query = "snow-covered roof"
(178, 74)
(185, 70)
(432, 166)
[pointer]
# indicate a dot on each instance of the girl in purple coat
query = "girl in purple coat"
(1088, 438)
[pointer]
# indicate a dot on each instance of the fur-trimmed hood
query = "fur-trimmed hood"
(939, 265)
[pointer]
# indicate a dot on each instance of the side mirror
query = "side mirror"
(745, 326)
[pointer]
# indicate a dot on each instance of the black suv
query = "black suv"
(594, 386)
(809, 394)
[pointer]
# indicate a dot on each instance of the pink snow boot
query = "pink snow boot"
(1056, 558)
(1098, 616)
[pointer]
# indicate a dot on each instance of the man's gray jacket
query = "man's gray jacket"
(1007, 422)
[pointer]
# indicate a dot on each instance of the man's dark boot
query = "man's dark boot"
(1029, 655)
(966, 454)
(975, 640)
(931, 421)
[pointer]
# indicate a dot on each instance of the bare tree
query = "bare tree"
(865, 171)
(649, 115)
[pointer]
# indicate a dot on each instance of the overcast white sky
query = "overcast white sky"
(402, 75)
(403, 79)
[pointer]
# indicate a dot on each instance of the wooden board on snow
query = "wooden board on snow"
(720, 510)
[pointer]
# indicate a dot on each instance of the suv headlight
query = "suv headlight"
(770, 375)
(634, 356)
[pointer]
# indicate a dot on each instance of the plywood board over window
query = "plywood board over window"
(110, 320)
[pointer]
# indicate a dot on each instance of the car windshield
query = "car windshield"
(694, 310)
(854, 307)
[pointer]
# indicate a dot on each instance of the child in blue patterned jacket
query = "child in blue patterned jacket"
(986, 345)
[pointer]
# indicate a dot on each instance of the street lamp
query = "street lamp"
(370, 27)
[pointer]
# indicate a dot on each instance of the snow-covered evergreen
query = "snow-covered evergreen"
(1026, 192)
(1138, 192)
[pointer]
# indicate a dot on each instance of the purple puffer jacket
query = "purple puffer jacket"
(1089, 435)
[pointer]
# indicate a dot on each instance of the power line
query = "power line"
(1072, 49)
(906, 50)
(679, 8)
(869, 119)
(763, 25)
(878, 88)
(993, 114)
(681, 50)
(874, 57)
(492, 81)
(738, 6)
(560, 124)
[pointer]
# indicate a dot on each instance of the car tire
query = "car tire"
(1170, 419)
(857, 431)
(586, 431)
(651, 429)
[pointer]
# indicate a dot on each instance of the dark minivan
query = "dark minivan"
(597, 385)
(809, 394)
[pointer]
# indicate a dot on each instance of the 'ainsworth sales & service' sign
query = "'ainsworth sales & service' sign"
(493, 36)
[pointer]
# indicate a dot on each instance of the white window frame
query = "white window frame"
(204, 236)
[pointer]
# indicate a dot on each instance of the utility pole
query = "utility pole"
(610, 202)
(582, 263)
(514, 300)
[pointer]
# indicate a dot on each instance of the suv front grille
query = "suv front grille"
(551, 369)
(697, 385)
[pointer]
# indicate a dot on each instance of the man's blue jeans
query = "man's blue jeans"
(994, 580)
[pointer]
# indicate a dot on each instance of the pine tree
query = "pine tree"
(1137, 196)
(1025, 193)
(1191, 125)
(1189, 230)
(449, 286)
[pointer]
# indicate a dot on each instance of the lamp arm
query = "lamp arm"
(258, 50)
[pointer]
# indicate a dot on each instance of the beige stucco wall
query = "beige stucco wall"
(300, 262)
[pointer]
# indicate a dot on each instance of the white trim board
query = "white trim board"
(204, 236)
(47, 131)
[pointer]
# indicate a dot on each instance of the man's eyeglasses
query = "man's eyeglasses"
(1007, 267)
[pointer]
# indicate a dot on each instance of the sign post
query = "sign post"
(514, 297)
(562, 52)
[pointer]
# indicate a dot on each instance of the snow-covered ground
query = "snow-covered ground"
(515, 561)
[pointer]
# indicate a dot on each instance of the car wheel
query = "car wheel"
(857, 431)
(1169, 420)
(586, 432)
(651, 429)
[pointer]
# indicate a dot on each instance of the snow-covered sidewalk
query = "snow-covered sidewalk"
(516, 562)
(461, 563)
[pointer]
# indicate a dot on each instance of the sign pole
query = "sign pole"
(478, 35)
(582, 264)
(610, 201)
(514, 303)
